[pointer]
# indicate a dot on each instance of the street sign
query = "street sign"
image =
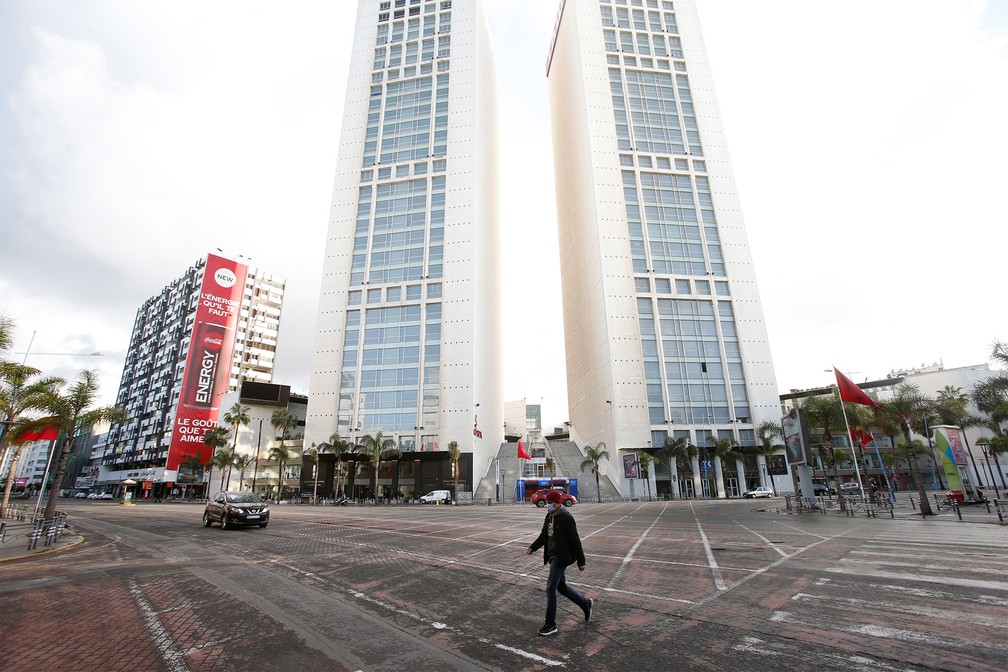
(707, 465)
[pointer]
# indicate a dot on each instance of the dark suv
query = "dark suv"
(821, 490)
(235, 509)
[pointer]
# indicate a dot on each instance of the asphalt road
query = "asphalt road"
(678, 586)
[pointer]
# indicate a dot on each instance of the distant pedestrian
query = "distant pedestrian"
(561, 548)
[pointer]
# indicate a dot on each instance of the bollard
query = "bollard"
(36, 533)
(913, 504)
(3, 531)
(955, 505)
(997, 507)
(987, 502)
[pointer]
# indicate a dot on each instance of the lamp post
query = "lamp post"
(984, 446)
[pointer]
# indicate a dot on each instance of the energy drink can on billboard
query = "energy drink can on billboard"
(205, 372)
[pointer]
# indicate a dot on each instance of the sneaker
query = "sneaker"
(588, 611)
(547, 630)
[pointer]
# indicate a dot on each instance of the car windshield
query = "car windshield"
(242, 498)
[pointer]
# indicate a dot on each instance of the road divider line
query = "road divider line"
(711, 561)
(174, 658)
(770, 543)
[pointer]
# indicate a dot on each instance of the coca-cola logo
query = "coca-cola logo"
(225, 277)
(213, 342)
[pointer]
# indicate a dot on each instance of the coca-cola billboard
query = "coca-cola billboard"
(208, 364)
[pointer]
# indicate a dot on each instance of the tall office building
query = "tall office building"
(663, 324)
(408, 332)
(193, 342)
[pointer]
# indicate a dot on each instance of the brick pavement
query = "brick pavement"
(681, 585)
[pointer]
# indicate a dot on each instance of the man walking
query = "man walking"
(561, 548)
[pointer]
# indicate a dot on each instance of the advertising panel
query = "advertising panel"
(630, 466)
(796, 438)
(208, 364)
(953, 454)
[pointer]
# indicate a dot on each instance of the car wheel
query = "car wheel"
(206, 520)
(224, 525)
(540, 503)
(568, 502)
(264, 524)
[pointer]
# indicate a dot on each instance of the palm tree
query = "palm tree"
(217, 438)
(454, 454)
(594, 455)
(767, 431)
(19, 394)
(338, 447)
(237, 415)
(283, 421)
(725, 450)
(73, 413)
(646, 460)
(679, 451)
(194, 463)
(906, 408)
(376, 447)
(279, 454)
(825, 413)
(313, 453)
(242, 462)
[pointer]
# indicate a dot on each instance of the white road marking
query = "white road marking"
(770, 543)
(711, 562)
(633, 549)
(172, 656)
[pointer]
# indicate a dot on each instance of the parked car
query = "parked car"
(539, 497)
(435, 496)
(236, 509)
(849, 487)
(93, 495)
(760, 491)
(81, 495)
(821, 490)
(106, 495)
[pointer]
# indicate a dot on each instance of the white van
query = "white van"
(435, 496)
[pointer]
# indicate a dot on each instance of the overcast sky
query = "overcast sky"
(868, 140)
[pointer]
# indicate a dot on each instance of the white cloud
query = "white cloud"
(868, 144)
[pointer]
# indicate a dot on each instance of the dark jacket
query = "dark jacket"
(565, 540)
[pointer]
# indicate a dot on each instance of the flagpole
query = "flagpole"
(885, 473)
(857, 467)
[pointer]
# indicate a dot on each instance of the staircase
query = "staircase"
(567, 458)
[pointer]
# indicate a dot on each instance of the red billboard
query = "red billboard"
(208, 364)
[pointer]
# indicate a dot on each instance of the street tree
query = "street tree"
(593, 456)
(454, 454)
(767, 431)
(339, 447)
(236, 416)
(23, 394)
(217, 438)
(907, 407)
(646, 460)
(680, 452)
(284, 422)
(73, 412)
(376, 447)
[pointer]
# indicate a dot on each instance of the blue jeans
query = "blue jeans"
(557, 583)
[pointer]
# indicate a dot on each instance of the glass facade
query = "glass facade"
(390, 372)
(692, 361)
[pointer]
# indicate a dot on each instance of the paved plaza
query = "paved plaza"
(684, 585)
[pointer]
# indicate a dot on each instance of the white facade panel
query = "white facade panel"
(619, 384)
(461, 271)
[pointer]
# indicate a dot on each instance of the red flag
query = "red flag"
(521, 451)
(859, 435)
(851, 392)
(47, 434)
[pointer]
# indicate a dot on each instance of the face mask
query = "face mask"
(551, 507)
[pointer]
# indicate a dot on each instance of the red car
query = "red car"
(539, 497)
